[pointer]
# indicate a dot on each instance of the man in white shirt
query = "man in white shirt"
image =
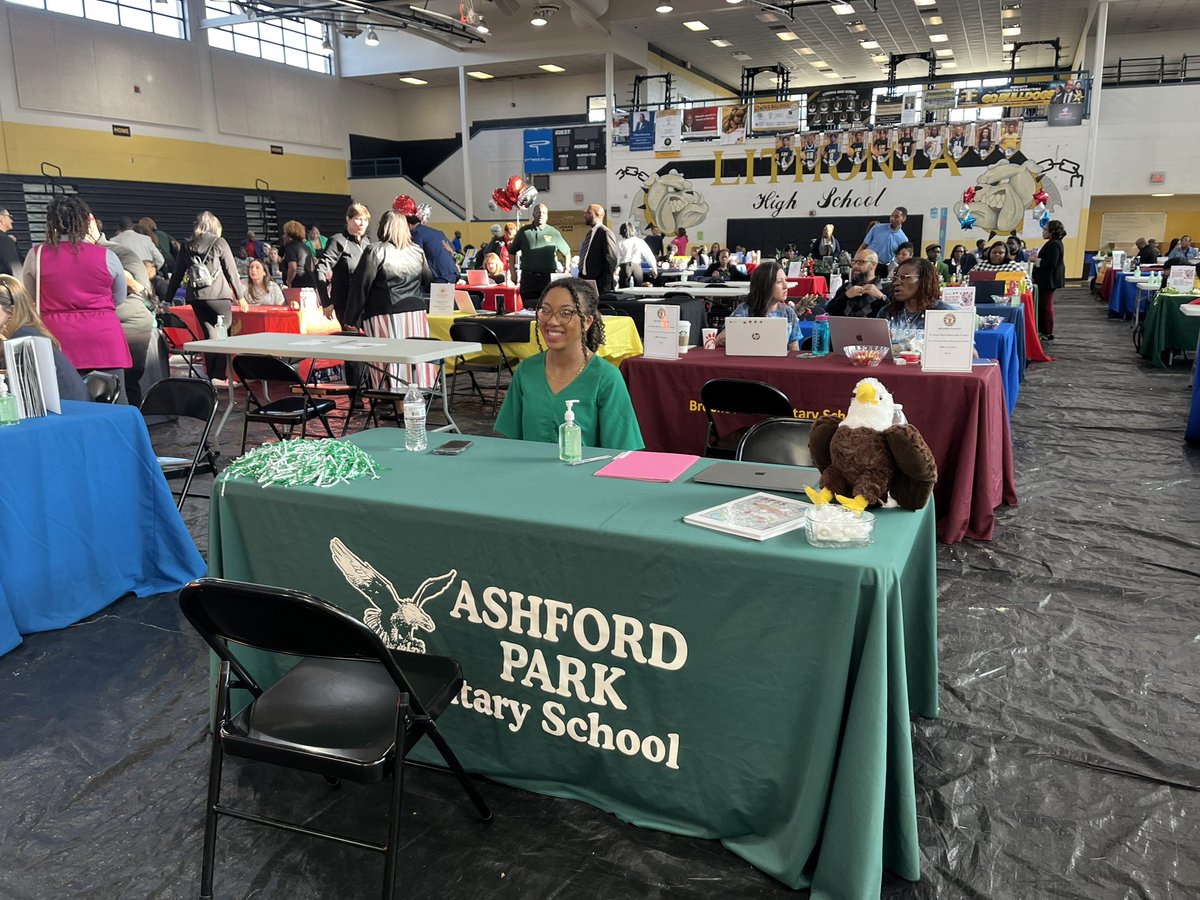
(141, 244)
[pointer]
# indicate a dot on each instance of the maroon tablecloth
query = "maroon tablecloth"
(962, 417)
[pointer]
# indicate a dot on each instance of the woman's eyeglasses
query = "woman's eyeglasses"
(566, 314)
(909, 277)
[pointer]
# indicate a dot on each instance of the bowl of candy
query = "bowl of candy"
(837, 527)
(865, 355)
(987, 323)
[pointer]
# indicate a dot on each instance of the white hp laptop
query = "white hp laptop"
(753, 336)
(847, 331)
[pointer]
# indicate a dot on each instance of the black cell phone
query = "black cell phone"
(452, 448)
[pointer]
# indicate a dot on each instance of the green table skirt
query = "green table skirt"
(1166, 328)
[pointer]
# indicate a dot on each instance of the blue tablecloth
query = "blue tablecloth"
(1016, 316)
(1123, 300)
(1193, 425)
(1000, 343)
(88, 518)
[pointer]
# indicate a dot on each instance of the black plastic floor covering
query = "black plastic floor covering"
(1065, 764)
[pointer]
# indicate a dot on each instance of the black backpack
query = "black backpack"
(199, 275)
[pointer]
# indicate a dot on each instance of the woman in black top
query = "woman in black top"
(1049, 275)
(296, 260)
(340, 258)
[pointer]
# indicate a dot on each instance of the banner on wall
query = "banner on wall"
(668, 130)
(839, 108)
(701, 121)
(775, 115)
(539, 151)
(641, 135)
(887, 112)
(1035, 94)
(733, 123)
(785, 152)
(620, 125)
(1010, 135)
(1066, 106)
(937, 100)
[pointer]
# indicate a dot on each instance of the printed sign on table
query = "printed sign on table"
(949, 340)
(1182, 278)
(441, 299)
(962, 297)
(662, 331)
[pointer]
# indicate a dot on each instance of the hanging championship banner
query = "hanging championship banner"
(939, 99)
(887, 112)
(1066, 106)
(668, 128)
(839, 108)
(701, 121)
(1010, 135)
(775, 115)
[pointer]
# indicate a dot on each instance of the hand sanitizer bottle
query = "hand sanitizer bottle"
(8, 406)
(222, 328)
(570, 438)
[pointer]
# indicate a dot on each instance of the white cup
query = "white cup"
(685, 336)
(709, 338)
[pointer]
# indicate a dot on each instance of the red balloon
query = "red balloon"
(502, 199)
(516, 184)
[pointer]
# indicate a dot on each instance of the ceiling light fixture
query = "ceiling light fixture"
(1162, 195)
(721, 42)
(741, 55)
(869, 45)
(372, 39)
(1010, 10)
(819, 64)
(409, 79)
(542, 13)
(832, 74)
(856, 25)
(945, 51)
(939, 38)
(933, 20)
(733, 1)
(805, 51)
(1008, 48)
(786, 36)
(1010, 30)
(695, 25)
(551, 67)
(664, 8)
(481, 26)
(879, 57)
(482, 76)
(949, 64)
(925, 2)
(843, 9)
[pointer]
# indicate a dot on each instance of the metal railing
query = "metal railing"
(389, 167)
(1152, 70)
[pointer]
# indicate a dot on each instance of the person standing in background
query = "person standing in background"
(885, 239)
(296, 261)
(316, 242)
(679, 243)
(10, 256)
(340, 259)
(536, 248)
(1049, 274)
(598, 254)
(637, 259)
(654, 240)
(456, 244)
(438, 252)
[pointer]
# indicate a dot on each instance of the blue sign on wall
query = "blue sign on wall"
(539, 151)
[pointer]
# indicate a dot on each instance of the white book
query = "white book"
(758, 516)
(32, 376)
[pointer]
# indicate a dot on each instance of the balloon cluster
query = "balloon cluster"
(410, 209)
(1039, 200)
(514, 195)
(963, 209)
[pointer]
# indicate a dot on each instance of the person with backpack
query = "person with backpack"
(208, 272)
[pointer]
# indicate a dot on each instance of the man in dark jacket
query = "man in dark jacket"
(340, 258)
(438, 252)
(598, 256)
(862, 296)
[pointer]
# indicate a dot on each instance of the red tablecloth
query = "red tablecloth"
(1106, 285)
(962, 417)
(511, 295)
(1034, 352)
(260, 319)
(805, 284)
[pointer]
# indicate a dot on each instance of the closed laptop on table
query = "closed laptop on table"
(759, 477)
(851, 331)
(756, 336)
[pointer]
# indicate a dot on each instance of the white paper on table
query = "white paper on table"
(961, 297)
(1182, 278)
(662, 331)
(441, 299)
(949, 340)
(795, 269)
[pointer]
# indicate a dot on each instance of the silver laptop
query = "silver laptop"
(847, 331)
(759, 477)
(751, 336)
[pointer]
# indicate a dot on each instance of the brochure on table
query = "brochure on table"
(662, 331)
(32, 376)
(949, 340)
(1182, 278)
(961, 297)
(441, 299)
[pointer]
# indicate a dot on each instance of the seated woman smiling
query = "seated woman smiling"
(569, 322)
(915, 289)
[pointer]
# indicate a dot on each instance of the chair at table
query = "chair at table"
(782, 441)
(738, 397)
(293, 411)
(102, 387)
(350, 709)
(477, 332)
(168, 320)
(383, 398)
(187, 398)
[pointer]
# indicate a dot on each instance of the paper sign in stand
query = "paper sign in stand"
(1182, 278)
(949, 340)
(441, 299)
(961, 297)
(662, 331)
(796, 269)
(32, 376)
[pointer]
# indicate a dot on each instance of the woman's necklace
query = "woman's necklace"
(564, 380)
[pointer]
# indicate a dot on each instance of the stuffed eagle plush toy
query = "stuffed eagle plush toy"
(864, 458)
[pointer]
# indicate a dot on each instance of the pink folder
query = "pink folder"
(643, 465)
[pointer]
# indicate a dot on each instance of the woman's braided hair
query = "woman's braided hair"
(587, 303)
(66, 220)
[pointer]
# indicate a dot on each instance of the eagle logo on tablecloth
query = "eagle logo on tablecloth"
(398, 630)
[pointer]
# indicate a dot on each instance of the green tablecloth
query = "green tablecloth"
(1166, 328)
(758, 693)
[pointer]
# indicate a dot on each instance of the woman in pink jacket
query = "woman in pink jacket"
(77, 286)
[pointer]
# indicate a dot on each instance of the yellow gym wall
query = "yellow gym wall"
(83, 153)
(1183, 214)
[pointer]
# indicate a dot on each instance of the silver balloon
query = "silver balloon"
(492, 205)
(527, 197)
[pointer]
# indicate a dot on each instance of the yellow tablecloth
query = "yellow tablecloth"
(621, 340)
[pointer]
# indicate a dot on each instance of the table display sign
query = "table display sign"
(795, 269)
(949, 341)
(662, 331)
(441, 299)
(1182, 278)
(962, 297)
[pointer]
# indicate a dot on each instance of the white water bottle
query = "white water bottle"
(414, 419)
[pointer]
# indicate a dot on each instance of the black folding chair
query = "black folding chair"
(350, 709)
(383, 398)
(293, 411)
(102, 387)
(170, 320)
(186, 398)
(780, 441)
(479, 333)
(738, 397)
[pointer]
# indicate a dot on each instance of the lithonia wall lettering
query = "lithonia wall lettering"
(703, 186)
(529, 659)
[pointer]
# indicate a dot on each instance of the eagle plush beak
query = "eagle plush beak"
(866, 393)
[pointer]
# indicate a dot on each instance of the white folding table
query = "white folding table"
(352, 348)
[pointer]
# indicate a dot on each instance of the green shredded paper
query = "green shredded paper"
(323, 463)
